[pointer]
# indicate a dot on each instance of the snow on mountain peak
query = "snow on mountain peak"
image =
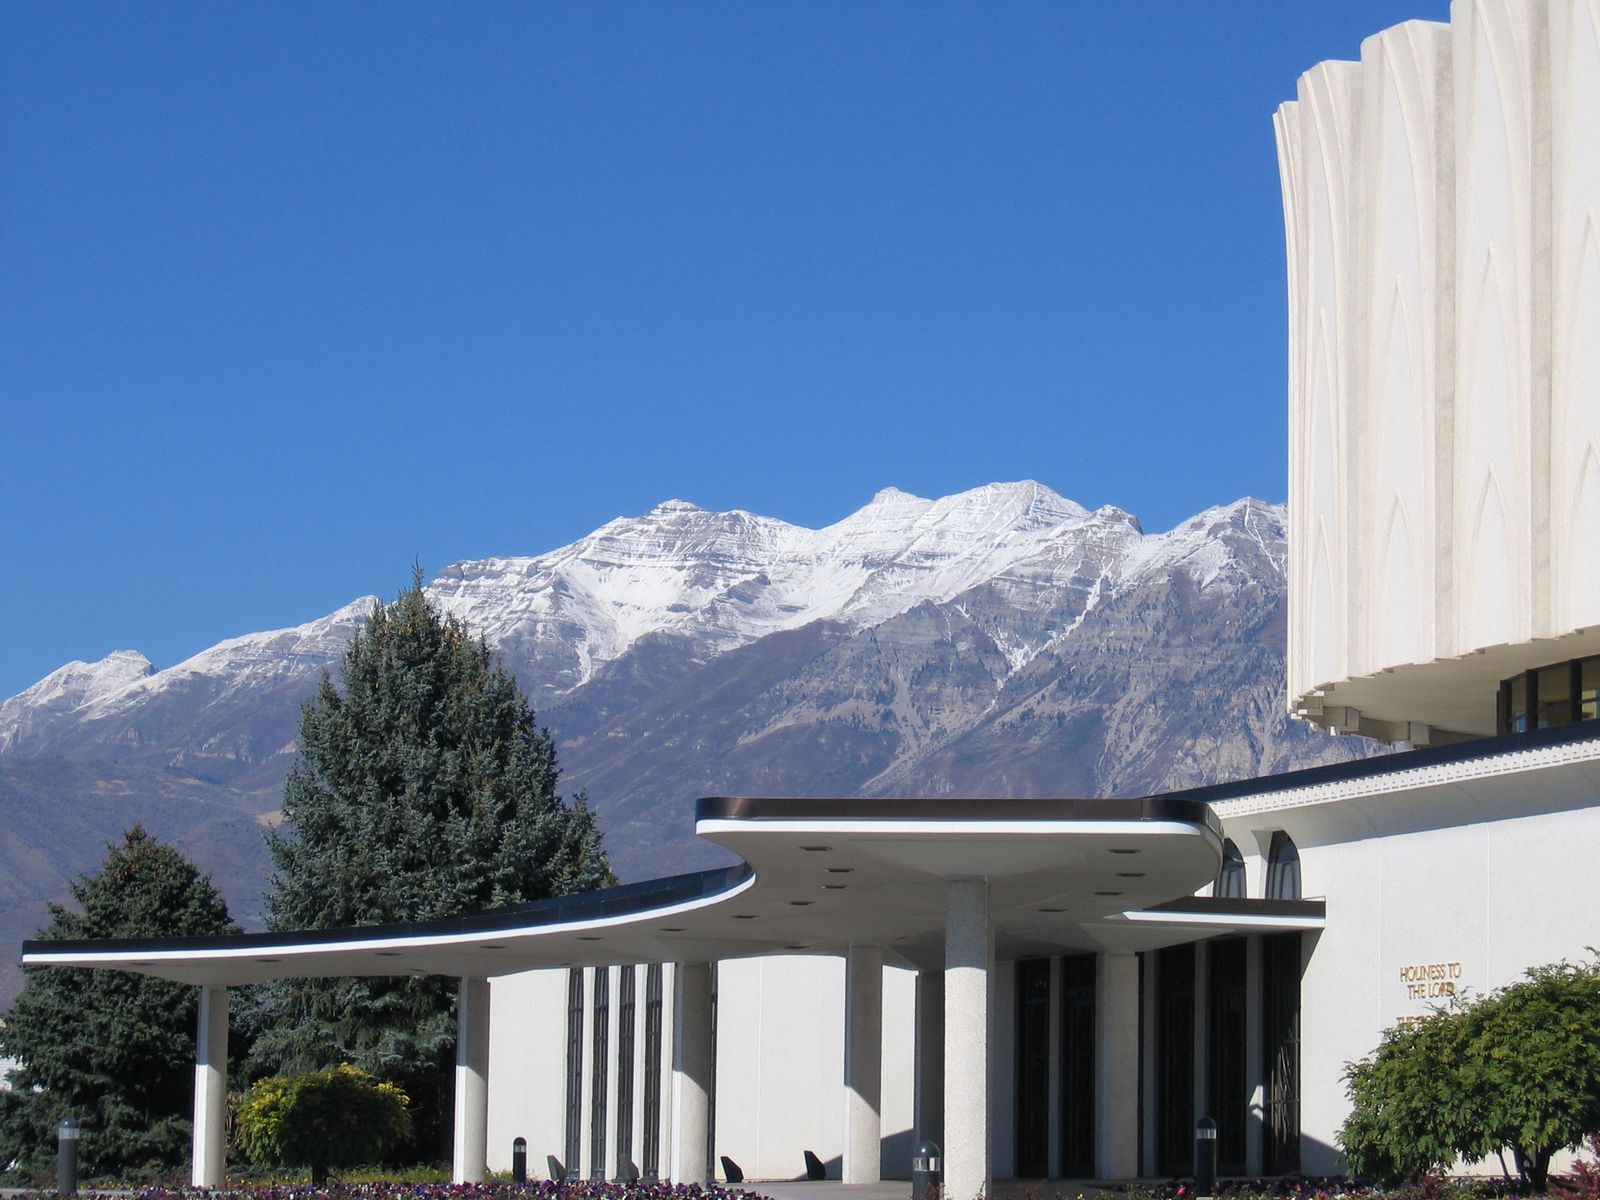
(67, 690)
(723, 579)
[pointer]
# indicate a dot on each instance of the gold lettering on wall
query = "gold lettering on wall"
(1437, 981)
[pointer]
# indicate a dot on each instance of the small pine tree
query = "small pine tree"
(112, 1048)
(423, 789)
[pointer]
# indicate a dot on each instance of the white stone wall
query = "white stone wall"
(780, 1066)
(1484, 900)
(1441, 201)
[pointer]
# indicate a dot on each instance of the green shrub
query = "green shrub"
(341, 1117)
(1517, 1071)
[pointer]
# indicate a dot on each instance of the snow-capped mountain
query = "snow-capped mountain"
(1001, 641)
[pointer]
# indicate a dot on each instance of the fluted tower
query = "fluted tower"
(1442, 214)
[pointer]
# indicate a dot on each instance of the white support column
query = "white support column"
(863, 1065)
(968, 971)
(211, 1089)
(611, 1167)
(691, 1073)
(1254, 1068)
(472, 1081)
(1116, 1107)
(928, 1085)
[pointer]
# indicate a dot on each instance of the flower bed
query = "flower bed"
(539, 1190)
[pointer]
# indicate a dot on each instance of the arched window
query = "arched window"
(1230, 879)
(1283, 868)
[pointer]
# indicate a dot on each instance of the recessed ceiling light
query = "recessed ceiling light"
(1052, 910)
(269, 960)
(1122, 850)
(1130, 874)
(795, 946)
(817, 849)
(799, 903)
(493, 946)
(744, 916)
(387, 953)
(591, 937)
(672, 929)
(840, 870)
(834, 887)
(1108, 893)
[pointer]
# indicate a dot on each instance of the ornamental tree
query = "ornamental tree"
(423, 789)
(337, 1118)
(1516, 1071)
(112, 1048)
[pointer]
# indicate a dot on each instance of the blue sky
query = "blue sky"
(292, 295)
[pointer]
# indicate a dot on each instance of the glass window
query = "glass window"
(1588, 689)
(574, 1066)
(652, 1071)
(599, 1068)
(1517, 704)
(1283, 869)
(1230, 879)
(1554, 692)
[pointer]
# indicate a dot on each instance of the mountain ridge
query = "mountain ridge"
(1002, 641)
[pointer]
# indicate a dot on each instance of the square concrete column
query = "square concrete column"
(928, 1082)
(691, 1073)
(968, 973)
(471, 1140)
(211, 1090)
(1116, 1068)
(863, 1064)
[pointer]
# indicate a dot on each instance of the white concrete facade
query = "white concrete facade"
(1440, 203)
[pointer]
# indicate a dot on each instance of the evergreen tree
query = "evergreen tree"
(423, 789)
(112, 1048)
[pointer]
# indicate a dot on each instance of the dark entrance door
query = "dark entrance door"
(1229, 1090)
(1033, 1067)
(1280, 954)
(1175, 1059)
(1077, 1066)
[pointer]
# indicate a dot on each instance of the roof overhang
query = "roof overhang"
(818, 875)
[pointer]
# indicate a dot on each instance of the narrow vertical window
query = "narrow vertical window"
(1283, 868)
(711, 1108)
(599, 1070)
(652, 1072)
(1229, 884)
(574, 1067)
(625, 1038)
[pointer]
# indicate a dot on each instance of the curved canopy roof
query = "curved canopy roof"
(816, 876)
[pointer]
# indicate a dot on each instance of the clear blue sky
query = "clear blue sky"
(294, 294)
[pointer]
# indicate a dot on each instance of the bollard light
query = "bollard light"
(67, 1156)
(519, 1160)
(927, 1171)
(1205, 1157)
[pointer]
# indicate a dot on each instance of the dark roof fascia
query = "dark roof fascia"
(1184, 808)
(1222, 906)
(1389, 764)
(625, 900)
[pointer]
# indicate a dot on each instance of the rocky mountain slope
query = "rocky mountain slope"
(1003, 641)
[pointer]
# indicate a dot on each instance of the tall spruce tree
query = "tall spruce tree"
(112, 1048)
(423, 789)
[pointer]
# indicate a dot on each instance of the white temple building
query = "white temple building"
(1063, 987)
